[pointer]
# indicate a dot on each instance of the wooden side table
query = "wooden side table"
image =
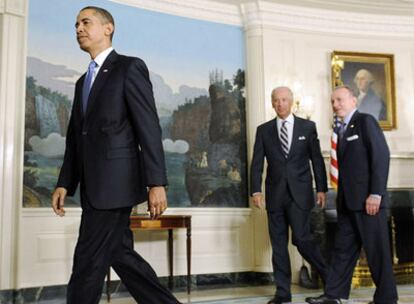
(164, 222)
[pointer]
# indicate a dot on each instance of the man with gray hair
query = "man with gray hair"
(289, 144)
(367, 100)
(361, 203)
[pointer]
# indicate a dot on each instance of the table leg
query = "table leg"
(108, 285)
(189, 259)
(170, 256)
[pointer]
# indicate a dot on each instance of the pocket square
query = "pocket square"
(302, 138)
(353, 137)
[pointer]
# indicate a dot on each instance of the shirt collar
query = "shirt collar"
(289, 119)
(347, 118)
(102, 56)
(362, 94)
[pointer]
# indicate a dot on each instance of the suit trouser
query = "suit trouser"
(299, 221)
(356, 229)
(105, 239)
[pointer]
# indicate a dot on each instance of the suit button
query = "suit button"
(84, 132)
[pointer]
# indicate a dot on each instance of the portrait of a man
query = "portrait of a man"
(371, 78)
(368, 100)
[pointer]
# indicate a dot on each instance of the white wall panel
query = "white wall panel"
(222, 241)
(12, 71)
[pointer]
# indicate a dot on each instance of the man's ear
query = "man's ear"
(355, 100)
(109, 29)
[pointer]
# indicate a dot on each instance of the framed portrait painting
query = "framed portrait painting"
(371, 77)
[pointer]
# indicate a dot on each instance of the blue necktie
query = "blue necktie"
(341, 130)
(87, 84)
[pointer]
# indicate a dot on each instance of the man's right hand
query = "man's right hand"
(157, 201)
(257, 200)
(58, 201)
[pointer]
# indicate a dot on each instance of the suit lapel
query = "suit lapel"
(349, 130)
(295, 134)
(77, 100)
(101, 78)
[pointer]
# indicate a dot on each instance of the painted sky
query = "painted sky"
(181, 50)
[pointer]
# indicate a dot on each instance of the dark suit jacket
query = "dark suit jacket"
(294, 171)
(114, 148)
(363, 160)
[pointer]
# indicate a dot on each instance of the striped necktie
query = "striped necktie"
(284, 139)
(87, 84)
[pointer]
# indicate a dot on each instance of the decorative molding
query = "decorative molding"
(402, 155)
(12, 83)
(76, 212)
(255, 84)
(255, 115)
(411, 73)
(305, 19)
(263, 248)
(194, 9)
(1, 6)
(222, 237)
(393, 156)
(211, 211)
(15, 7)
(394, 7)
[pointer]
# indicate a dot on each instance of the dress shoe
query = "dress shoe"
(322, 300)
(279, 300)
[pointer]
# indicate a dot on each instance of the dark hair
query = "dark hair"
(104, 15)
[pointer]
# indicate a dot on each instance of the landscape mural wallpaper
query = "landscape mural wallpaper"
(197, 71)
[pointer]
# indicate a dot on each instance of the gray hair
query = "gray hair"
(282, 88)
(366, 73)
(348, 88)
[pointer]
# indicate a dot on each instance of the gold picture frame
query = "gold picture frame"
(372, 78)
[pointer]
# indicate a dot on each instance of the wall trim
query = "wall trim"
(16, 8)
(76, 211)
(194, 9)
(57, 293)
(398, 155)
(305, 19)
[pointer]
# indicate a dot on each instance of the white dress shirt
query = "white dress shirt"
(99, 60)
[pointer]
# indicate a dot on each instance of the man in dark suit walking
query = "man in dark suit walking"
(289, 144)
(114, 150)
(363, 163)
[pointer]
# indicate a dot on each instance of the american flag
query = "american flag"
(334, 160)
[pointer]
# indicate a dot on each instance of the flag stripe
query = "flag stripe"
(334, 173)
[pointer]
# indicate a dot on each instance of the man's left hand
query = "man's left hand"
(321, 199)
(157, 201)
(372, 204)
